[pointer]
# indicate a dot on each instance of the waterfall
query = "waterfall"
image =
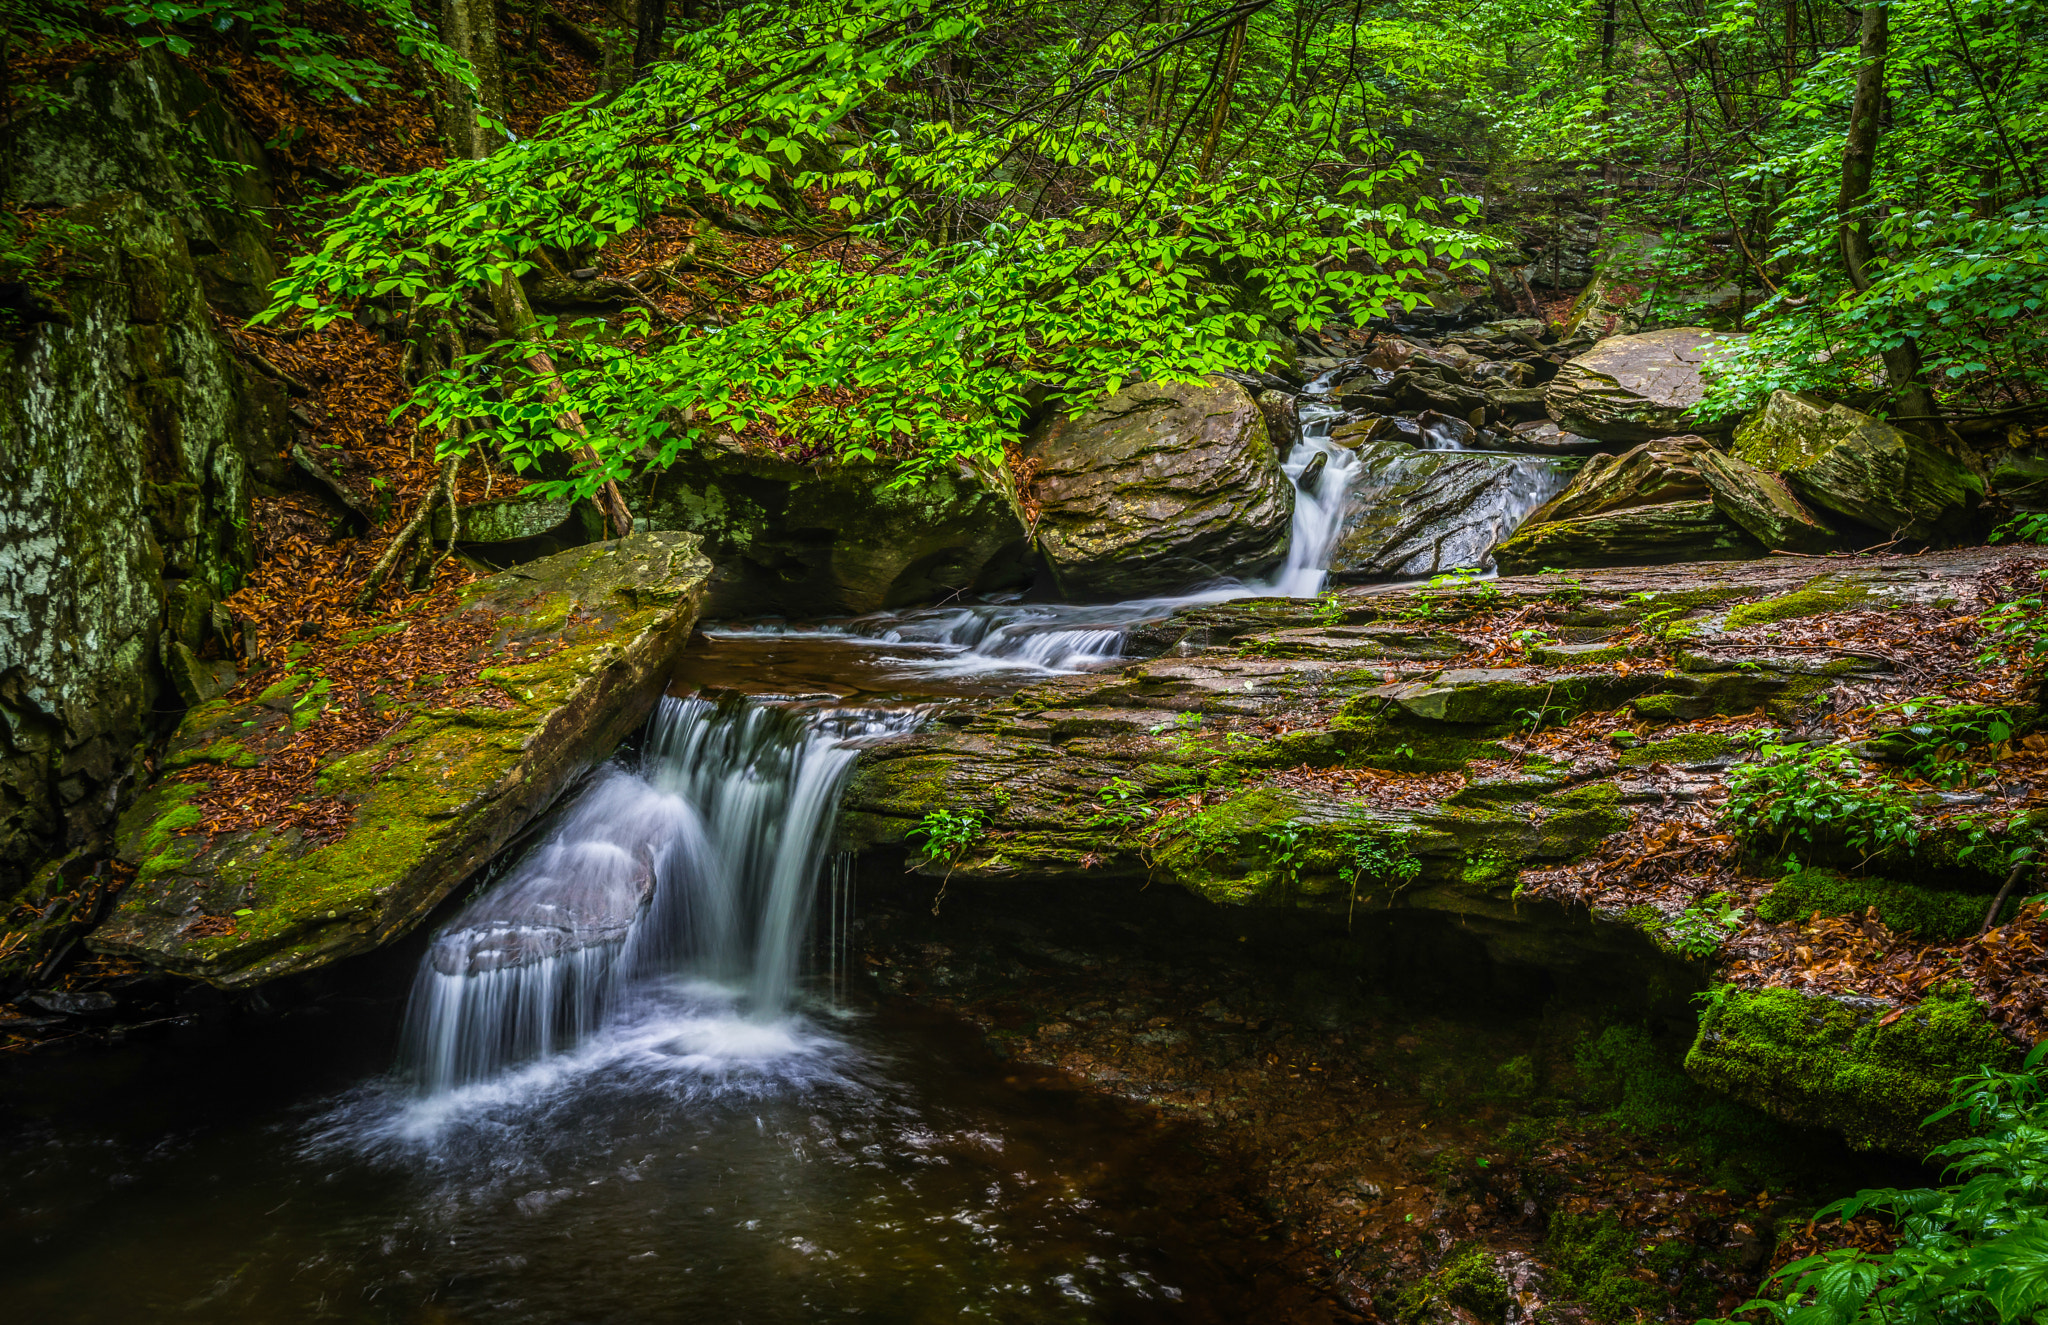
(702, 861)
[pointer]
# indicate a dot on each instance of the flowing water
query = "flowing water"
(630, 1087)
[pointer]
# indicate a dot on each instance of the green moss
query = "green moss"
(1591, 1255)
(1827, 1063)
(548, 614)
(284, 687)
(224, 751)
(1467, 1279)
(1928, 913)
(1822, 595)
(1685, 748)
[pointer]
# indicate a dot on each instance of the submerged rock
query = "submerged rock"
(584, 643)
(1159, 487)
(1634, 388)
(1849, 463)
(1415, 513)
(833, 539)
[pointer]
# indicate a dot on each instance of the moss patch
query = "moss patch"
(1828, 1063)
(1822, 595)
(1934, 914)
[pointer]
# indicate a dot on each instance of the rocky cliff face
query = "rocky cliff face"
(124, 513)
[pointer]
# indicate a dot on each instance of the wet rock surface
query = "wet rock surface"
(550, 666)
(1158, 487)
(1853, 466)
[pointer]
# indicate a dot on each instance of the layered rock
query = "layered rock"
(1416, 513)
(1762, 505)
(1646, 505)
(1157, 488)
(1850, 464)
(834, 539)
(1635, 388)
(1286, 752)
(125, 446)
(574, 650)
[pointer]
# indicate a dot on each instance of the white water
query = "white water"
(699, 864)
(1058, 638)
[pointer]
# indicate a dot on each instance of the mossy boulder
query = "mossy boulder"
(1761, 503)
(1159, 487)
(588, 638)
(1637, 536)
(1843, 1062)
(1634, 388)
(833, 539)
(1850, 464)
(1939, 915)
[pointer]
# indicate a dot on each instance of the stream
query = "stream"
(631, 1079)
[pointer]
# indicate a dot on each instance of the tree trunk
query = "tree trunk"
(1859, 161)
(650, 23)
(470, 29)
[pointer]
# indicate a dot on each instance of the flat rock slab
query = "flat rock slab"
(578, 649)
(1635, 388)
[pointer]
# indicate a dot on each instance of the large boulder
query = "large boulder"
(1846, 462)
(833, 539)
(1762, 504)
(538, 674)
(1635, 388)
(126, 435)
(1647, 505)
(1416, 513)
(1161, 486)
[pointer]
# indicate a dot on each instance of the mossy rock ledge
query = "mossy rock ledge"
(432, 801)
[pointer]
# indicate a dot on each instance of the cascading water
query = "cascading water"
(703, 861)
(1064, 637)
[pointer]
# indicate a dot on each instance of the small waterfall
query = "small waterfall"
(701, 861)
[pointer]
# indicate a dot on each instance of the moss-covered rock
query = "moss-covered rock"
(1826, 593)
(125, 444)
(1833, 1062)
(1633, 388)
(589, 638)
(1851, 464)
(833, 539)
(1159, 487)
(1935, 914)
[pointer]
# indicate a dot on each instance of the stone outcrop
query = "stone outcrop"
(1761, 503)
(1415, 513)
(833, 540)
(1273, 745)
(577, 649)
(125, 445)
(1850, 464)
(1635, 388)
(1646, 505)
(1157, 488)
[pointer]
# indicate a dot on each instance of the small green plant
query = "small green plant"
(1329, 609)
(1803, 793)
(1375, 860)
(1287, 847)
(1123, 806)
(1533, 637)
(1700, 929)
(1182, 722)
(1975, 1250)
(1933, 744)
(1472, 582)
(949, 835)
(2016, 632)
(1536, 717)
(2023, 528)
(1570, 591)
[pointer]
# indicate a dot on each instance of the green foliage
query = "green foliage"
(1467, 1278)
(1375, 861)
(278, 32)
(1701, 928)
(1124, 806)
(1934, 914)
(2017, 633)
(2024, 528)
(958, 291)
(950, 835)
(1330, 609)
(1592, 1256)
(1974, 1250)
(1803, 793)
(1938, 736)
